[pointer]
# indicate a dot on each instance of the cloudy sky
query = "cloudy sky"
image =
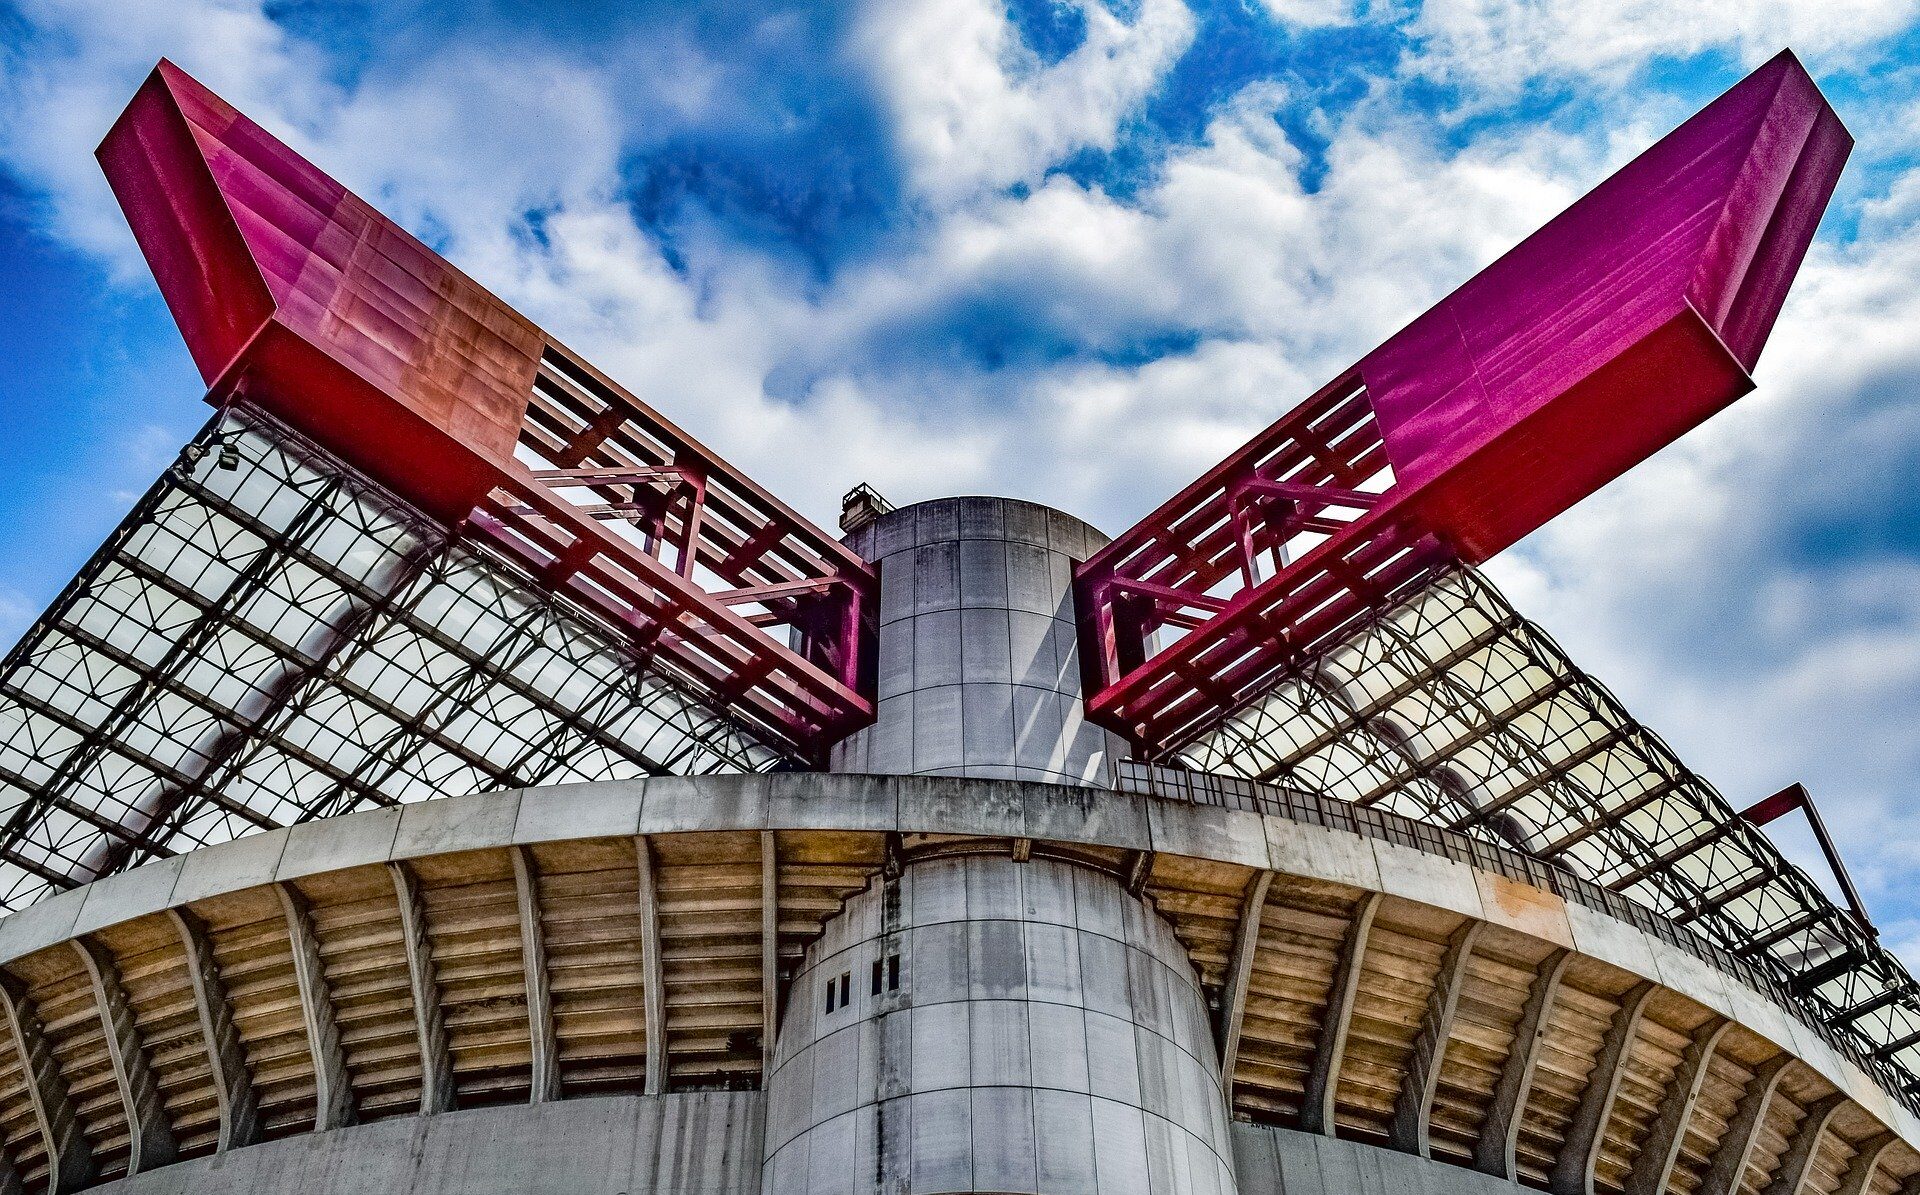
(1066, 250)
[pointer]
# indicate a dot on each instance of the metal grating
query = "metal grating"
(1452, 709)
(269, 638)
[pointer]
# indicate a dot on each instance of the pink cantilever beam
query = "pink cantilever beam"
(298, 297)
(1604, 336)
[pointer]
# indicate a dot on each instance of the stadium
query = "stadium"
(451, 776)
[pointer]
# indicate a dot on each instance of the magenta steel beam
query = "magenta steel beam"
(295, 295)
(1624, 322)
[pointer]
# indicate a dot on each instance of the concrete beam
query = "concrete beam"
(1729, 1165)
(429, 1023)
(1323, 1081)
(150, 1140)
(1653, 1168)
(332, 1090)
(654, 995)
(1866, 1164)
(1233, 1001)
(70, 1163)
(769, 950)
(1797, 1161)
(544, 1083)
(1409, 1131)
(1572, 1172)
(1496, 1152)
(226, 1059)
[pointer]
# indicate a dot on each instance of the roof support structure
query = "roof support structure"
(1496, 1151)
(1572, 1172)
(1233, 1002)
(70, 1161)
(226, 1060)
(332, 1088)
(1413, 1109)
(1797, 1162)
(1654, 1167)
(1865, 1165)
(543, 1084)
(1323, 1081)
(654, 994)
(1728, 1167)
(769, 948)
(430, 1029)
(150, 1140)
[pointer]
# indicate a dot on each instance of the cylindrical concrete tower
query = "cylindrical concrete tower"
(979, 669)
(977, 1023)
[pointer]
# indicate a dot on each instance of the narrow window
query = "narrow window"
(876, 976)
(846, 988)
(893, 973)
(829, 995)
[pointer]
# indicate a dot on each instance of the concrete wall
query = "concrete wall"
(1274, 1161)
(979, 668)
(704, 1143)
(1047, 1034)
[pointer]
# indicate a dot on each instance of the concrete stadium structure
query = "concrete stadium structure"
(454, 778)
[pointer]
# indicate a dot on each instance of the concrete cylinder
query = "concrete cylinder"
(982, 1024)
(979, 670)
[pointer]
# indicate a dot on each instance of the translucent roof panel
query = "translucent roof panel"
(1453, 709)
(269, 638)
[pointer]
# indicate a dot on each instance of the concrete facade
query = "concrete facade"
(700, 1143)
(979, 669)
(640, 934)
(1005, 1026)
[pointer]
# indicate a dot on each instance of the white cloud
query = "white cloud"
(1499, 45)
(1311, 14)
(975, 109)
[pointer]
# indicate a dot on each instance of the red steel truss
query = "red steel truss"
(296, 296)
(1621, 324)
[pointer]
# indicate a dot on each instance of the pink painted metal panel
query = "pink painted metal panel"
(296, 295)
(1613, 330)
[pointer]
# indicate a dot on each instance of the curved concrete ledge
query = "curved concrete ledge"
(1202, 866)
(701, 1143)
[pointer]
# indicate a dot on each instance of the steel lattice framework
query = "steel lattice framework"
(1453, 709)
(282, 640)
(425, 550)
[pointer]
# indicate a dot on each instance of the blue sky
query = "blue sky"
(1067, 250)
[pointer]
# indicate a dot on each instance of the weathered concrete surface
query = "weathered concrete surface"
(831, 836)
(979, 667)
(1029, 1027)
(705, 1143)
(1275, 1161)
